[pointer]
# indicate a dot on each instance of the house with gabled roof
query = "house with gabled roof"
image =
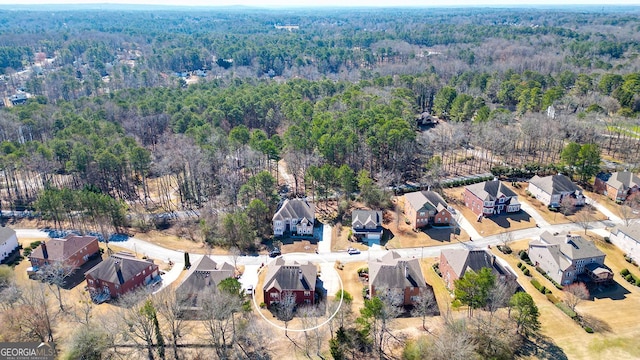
(454, 263)
(295, 216)
(119, 274)
(490, 197)
(568, 258)
(423, 208)
(297, 279)
(203, 278)
(617, 186)
(73, 250)
(8, 243)
(367, 224)
(393, 272)
(627, 238)
(553, 189)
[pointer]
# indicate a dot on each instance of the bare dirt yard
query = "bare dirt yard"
(612, 312)
(493, 225)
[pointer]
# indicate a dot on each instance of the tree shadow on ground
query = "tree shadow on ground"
(502, 220)
(598, 325)
(541, 347)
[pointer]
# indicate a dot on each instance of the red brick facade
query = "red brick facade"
(76, 256)
(115, 289)
(273, 296)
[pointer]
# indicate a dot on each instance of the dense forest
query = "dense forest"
(165, 111)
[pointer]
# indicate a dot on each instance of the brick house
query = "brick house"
(295, 216)
(617, 186)
(204, 276)
(119, 274)
(627, 239)
(552, 190)
(454, 263)
(297, 279)
(490, 197)
(426, 207)
(8, 242)
(73, 250)
(568, 258)
(367, 224)
(392, 272)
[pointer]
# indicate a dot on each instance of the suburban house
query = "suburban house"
(618, 185)
(367, 224)
(8, 243)
(290, 279)
(552, 190)
(568, 258)
(627, 238)
(392, 272)
(454, 263)
(74, 250)
(203, 278)
(18, 99)
(490, 197)
(426, 207)
(295, 216)
(119, 274)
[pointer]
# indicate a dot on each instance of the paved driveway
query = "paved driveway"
(534, 214)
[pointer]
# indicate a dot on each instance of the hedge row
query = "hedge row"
(524, 269)
(456, 183)
(544, 273)
(525, 257)
(562, 306)
(536, 284)
(631, 278)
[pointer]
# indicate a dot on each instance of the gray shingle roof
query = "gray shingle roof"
(291, 276)
(555, 184)
(393, 271)
(573, 246)
(462, 260)
(204, 274)
(295, 209)
(427, 200)
(490, 190)
(129, 265)
(62, 249)
(366, 216)
(6, 233)
(623, 180)
(631, 231)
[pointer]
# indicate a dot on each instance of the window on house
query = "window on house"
(307, 293)
(274, 295)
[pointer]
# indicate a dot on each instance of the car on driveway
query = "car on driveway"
(353, 251)
(275, 252)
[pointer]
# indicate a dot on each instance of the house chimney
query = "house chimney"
(119, 272)
(45, 253)
(406, 272)
(567, 239)
(300, 274)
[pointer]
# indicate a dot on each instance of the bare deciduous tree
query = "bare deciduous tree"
(424, 305)
(575, 294)
(169, 306)
(55, 276)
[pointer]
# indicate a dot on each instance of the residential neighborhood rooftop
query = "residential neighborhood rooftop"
(291, 276)
(129, 265)
(61, 249)
(392, 271)
(555, 184)
(491, 190)
(295, 209)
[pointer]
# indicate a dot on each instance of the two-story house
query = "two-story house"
(551, 190)
(627, 238)
(203, 278)
(119, 274)
(490, 197)
(367, 224)
(295, 216)
(72, 250)
(426, 207)
(567, 258)
(617, 186)
(8, 243)
(391, 272)
(454, 263)
(293, 281)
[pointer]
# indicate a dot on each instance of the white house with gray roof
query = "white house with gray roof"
(367, 224)
(551, 190)
(568, 258)
(295, 216)
(391, 272)
(8, 242)
(627, 238)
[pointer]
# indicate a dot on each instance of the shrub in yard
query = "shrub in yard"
(624, 272)
(554, 300)
(547, 291)
(35, 244)
(519, 265)
(539, 269)
(562, 306)
(588, 329)
(607, 240)
(526, 272)
(629, 278)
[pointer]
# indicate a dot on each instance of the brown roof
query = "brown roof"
(63, 249)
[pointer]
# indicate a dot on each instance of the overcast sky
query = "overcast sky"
(333, 3)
